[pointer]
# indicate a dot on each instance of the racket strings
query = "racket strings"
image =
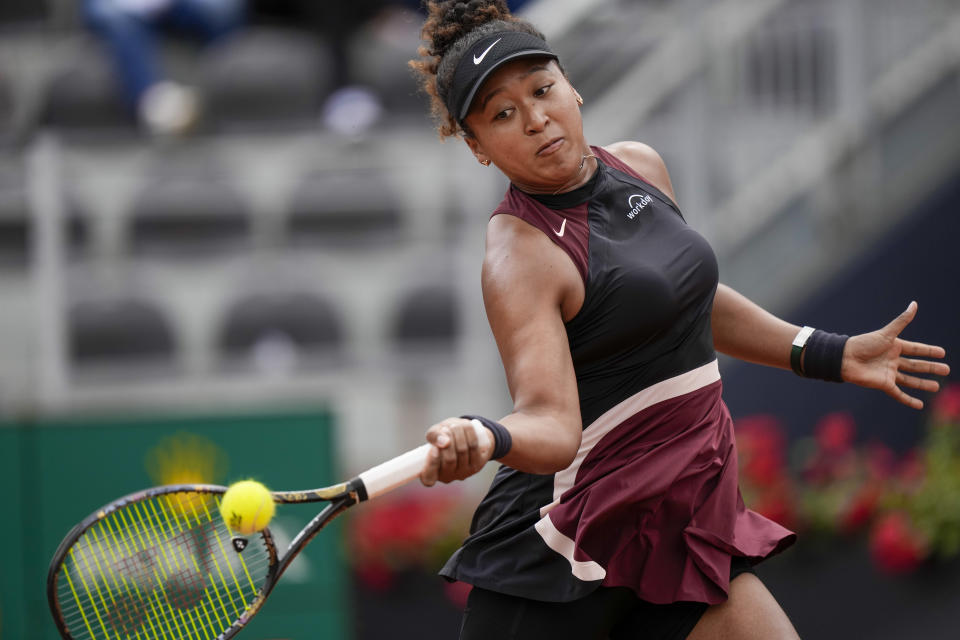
(160, 568)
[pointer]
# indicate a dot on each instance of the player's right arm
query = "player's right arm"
(529, 286)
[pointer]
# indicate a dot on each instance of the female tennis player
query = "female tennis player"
(616, 513)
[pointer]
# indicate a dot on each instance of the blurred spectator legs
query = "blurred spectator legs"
(131, 29)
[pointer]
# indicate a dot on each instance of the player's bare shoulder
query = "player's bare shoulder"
(513, 248)
(645, 160)
(521, 264)
(639, 155)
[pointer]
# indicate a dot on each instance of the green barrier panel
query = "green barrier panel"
(72, 467)
(12, 601)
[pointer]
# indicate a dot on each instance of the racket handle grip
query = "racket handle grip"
(393, 473)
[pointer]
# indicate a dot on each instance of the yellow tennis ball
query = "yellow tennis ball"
(247, 507)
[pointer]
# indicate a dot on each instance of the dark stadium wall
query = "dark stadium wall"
(918, 260)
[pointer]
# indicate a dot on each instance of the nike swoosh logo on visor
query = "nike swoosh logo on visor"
(563, 227)
(479, 59)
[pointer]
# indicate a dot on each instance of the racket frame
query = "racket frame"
(374, 482)
(339, 497)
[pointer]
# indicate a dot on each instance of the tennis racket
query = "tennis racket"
(161, 563)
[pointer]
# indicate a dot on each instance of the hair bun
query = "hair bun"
(453, 19)
(451, 27)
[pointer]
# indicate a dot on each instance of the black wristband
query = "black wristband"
(823, 356)
(502, 441)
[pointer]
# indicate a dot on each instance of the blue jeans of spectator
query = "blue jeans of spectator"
(131, 36)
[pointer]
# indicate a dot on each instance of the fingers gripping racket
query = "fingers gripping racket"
(161, 563)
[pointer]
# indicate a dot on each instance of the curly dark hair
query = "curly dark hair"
(452, 28)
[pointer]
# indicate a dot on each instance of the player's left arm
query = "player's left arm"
(744, 330)
(878, 359)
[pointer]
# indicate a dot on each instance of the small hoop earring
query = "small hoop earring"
(579, 100)
(485, 163)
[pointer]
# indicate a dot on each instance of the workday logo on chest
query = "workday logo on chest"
(637, 203)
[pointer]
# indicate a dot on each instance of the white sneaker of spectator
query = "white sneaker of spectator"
(169, 109)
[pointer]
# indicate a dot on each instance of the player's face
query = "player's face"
(526, 120)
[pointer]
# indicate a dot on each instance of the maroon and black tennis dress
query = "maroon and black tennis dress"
(651, 501)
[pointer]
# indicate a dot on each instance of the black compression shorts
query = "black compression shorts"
(606, 614)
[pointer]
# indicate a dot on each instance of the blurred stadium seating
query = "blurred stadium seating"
(6, 111)
(279, 332)
(118, 330)
(337, 256)
(188, 212)
(426, 318)
(81, 96)
(15, 222)
(345, 209)
(21, 11)
(766, 115)
(262, 76)
(378, 55)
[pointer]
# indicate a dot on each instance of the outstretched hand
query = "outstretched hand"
(882, 360)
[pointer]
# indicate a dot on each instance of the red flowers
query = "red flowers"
(860, 510)
(946, 407)
(835, 432)
(895, 544)
(761, 447)
(412, 529)
(761, 450)
(909, 504)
